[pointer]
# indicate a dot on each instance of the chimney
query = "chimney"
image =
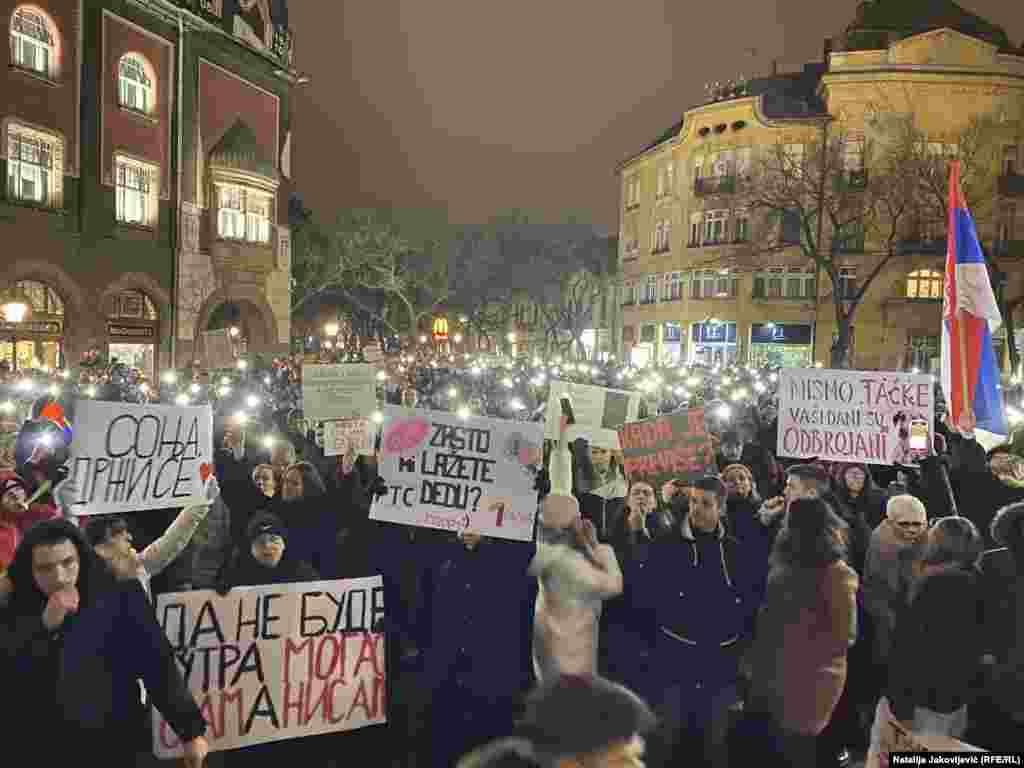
(828, 49)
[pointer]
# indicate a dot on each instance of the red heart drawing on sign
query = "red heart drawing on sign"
(205, 470)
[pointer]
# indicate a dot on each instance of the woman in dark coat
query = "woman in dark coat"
(267, 560)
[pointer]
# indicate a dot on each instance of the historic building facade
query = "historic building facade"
(680, 213)
(147, 153)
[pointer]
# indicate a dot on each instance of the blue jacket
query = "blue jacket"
(475, 625)
(695, 600)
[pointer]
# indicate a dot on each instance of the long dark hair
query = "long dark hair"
(92, 572)
(813, 536)
(312, 483)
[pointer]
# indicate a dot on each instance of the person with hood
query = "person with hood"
(695, 598)
(74, 644)
(573, 722)
(575, 575)
(859, 494)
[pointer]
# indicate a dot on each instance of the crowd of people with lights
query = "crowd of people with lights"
(767, 608)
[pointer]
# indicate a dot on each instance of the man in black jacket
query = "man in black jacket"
(73, 646)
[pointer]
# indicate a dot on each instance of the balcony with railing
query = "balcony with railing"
(714, 185)
(922, 244)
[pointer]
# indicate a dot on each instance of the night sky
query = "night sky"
(485, 107)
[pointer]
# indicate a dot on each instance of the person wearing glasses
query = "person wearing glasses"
(894, 547)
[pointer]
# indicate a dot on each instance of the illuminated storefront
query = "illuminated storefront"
(132, 324)
(714, 343)
(38, 340)
(785, 344)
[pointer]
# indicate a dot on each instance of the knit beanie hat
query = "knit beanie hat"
(570, 716)
(266, 524)
(906, 509)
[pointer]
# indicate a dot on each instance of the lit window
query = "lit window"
(136, 192)
(243, 215)
(741, 226)
(714, 226)
(135, 85)
(924, 284)
(29, 167)
(32, 41)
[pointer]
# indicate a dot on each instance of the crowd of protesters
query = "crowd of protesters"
(766, 609)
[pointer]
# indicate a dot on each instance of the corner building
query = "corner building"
(146, 151)
(679, 211)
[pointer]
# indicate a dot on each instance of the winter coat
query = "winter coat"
(999, 587)
(979, 493)
(869, 504)
(570, 591)
(799, 656)
(858, 535)
(887, 579)
(937, 645)
(245, 571)
(477, 608)
(165, 550)
(602, 500)
(696, 598)
(78, 686)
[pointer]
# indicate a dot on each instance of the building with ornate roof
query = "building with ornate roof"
(680, 217)
(147, 151)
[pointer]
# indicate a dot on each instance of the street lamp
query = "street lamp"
(14, 305)
(234, 331)
(331, 329)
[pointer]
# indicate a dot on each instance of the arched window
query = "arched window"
(131, 305)
(41, 298)
(33, 41)
(924, 284)
(135, 84)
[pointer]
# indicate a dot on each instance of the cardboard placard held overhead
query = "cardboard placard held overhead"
(675, 446)
(340, 391)
(455, 474)
(854, 416)
(277, 662)
(341, 435)
(129, 458)
(599, 412)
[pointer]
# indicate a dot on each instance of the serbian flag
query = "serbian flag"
(970, 376)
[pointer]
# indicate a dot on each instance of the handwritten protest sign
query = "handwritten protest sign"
(851, 416)
(343, 434)
(671, 447)
(128, 458)
(343, 391)
(276, 662)
(599, 412)
(450, 473)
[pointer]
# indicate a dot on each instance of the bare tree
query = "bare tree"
(834, 202)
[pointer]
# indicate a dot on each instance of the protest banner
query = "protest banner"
(671, 447)
(218, 348)
(853, 416)
(340, 391)
(343, 434)
(450, 473)
(599, 412)
(129, 458)
(276, 662)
